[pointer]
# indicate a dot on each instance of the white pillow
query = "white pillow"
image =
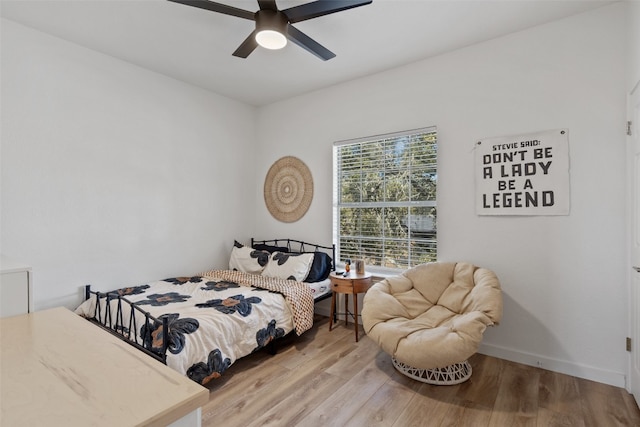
(248, 260)
(288, 266)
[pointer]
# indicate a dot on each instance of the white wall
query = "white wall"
(633, 47)
(563, 277)
(114, 175)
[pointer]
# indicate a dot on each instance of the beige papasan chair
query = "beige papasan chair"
(432, 317)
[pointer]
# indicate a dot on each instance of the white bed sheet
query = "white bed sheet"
(319, 289)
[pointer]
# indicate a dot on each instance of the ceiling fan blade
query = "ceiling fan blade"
(307, 43)
(268, 5)
(248, 45)
(320, 8)
(218, 7)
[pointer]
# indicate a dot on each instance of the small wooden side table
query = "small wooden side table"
(353, 284)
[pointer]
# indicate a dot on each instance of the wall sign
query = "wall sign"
(523, 174)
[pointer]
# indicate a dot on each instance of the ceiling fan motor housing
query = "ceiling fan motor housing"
(271, 20)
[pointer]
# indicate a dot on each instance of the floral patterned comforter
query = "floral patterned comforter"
(214, 318)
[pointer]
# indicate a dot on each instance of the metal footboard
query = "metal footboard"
(126, 326)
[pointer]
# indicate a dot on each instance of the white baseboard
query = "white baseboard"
(617, 379)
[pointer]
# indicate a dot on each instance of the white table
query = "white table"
(57, 369)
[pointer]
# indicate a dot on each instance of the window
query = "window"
(385, 199)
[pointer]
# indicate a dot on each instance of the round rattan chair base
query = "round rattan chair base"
(449, 375)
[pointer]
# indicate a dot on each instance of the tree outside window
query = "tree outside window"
(385, 199)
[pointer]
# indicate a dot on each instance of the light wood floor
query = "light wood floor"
(326, 379)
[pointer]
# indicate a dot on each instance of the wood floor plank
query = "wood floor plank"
(312, 385)
(474, 415)
(482, 387)
(377, 411)
(367, 350)
(419, 411)
(632, 408)
(517, 399)
(549, 418)
(237, 393)
(228, 394)
(253, 402)
(325, 378)
(307, 346)
(453, 407)
(456, 413)
(293, 409)
(559, 393)
(349, 399)
(603, 405)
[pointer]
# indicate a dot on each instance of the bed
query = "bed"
(215, 317)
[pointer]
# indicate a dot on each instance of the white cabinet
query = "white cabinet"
(15, 288)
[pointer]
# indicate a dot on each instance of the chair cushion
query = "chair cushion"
(433, 315)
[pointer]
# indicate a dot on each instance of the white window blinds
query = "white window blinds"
(385, 198)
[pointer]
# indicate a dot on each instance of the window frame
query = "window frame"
(337, 204)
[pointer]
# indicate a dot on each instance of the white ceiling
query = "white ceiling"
(195, 45)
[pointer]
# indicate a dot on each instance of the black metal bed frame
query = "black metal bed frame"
(126, 331)
(301, 248)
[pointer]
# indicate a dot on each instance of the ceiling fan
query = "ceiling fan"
(273, 26)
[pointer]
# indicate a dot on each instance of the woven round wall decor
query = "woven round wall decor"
(288, 189)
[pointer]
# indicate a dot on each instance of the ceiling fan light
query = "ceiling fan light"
(271, 39)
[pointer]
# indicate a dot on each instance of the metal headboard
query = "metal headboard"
(299, 246)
